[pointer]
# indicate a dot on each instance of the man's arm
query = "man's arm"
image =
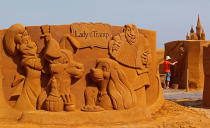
(174, 63)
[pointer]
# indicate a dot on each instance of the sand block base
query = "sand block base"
(79, 117)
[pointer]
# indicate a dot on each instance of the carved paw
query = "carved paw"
(67, 98)
(69, 107)
(92, 108)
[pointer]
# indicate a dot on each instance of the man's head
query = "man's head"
(168, 58)
(131, 32)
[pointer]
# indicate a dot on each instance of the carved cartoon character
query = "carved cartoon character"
(101, 75)
(114, 91)
(27, 49)
(62, 67)
(134, 52)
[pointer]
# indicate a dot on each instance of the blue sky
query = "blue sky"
(171, 19)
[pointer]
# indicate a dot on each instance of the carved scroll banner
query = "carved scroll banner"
(91, 34)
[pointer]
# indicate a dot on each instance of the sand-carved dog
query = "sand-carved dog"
(113, 90)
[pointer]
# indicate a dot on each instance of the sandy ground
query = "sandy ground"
(180, 110)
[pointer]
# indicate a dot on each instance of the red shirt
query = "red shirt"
(166, 66)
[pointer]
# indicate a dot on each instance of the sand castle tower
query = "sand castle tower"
(198, 28)
(203, 36)
(199, 35)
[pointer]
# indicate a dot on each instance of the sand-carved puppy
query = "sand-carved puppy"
(114, 90)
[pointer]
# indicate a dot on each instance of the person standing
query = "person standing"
(166, 67)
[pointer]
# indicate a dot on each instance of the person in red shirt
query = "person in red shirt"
(166, 67)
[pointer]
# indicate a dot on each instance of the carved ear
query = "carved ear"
(114, 75)
(113, 89)
(119, 77)
(122, 78)
(129, 97)
(121, 94)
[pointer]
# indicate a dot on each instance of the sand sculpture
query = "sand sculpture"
(189, 54)
(160, 60)
(199, 35)
(81, 68)
(114, 90)
(206, 63)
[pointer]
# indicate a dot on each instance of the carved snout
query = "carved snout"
(97, 74)
(92, 70)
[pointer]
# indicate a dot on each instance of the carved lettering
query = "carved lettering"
(94, 34)
(91, 34)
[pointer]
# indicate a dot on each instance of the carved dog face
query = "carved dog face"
(101, 72)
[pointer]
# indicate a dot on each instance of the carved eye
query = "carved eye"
(104, 68)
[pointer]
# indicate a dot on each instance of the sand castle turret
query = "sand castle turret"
(192, 30)
(187, 36)
(199, 35)
(198, 28)
(203, 36)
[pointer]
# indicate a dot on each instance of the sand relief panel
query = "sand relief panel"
(181, 55)
(45, 79)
